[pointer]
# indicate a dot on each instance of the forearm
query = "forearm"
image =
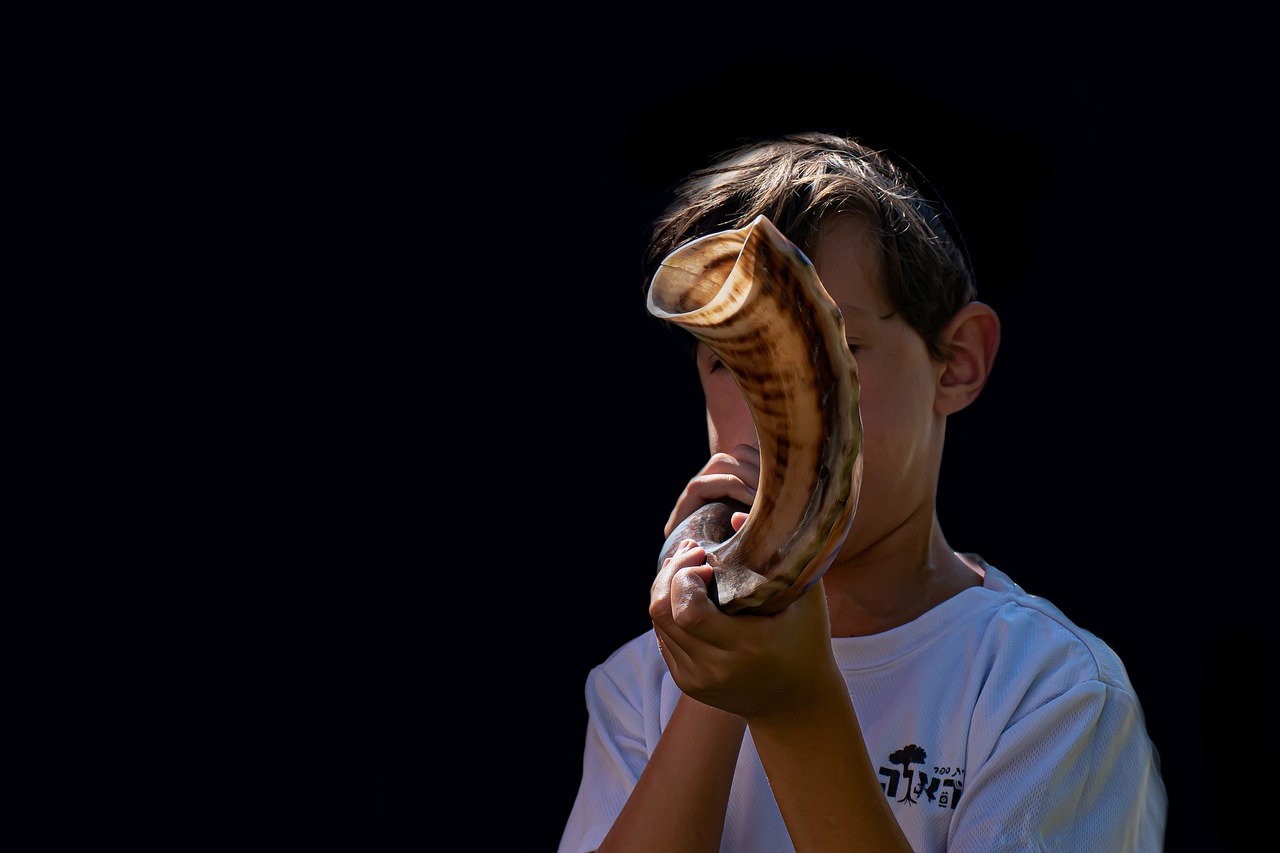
(822, 776)
(679, 802)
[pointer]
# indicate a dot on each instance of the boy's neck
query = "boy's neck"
(888, 587)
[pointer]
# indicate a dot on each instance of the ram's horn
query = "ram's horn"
(755, 300)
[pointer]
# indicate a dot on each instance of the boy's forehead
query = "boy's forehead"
(847, 260)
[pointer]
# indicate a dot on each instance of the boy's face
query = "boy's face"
(902, 431)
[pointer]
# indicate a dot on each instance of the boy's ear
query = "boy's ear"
(974, 337)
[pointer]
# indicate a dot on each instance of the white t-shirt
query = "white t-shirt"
(995, 723)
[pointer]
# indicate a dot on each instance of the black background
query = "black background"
(494, 431)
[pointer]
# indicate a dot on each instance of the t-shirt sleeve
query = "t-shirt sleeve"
(1077, 773)
(613, 758)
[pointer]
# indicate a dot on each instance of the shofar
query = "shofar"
(755, 300)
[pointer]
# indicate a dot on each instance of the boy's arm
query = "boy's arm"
(779, 674)
(678, 805)
(822, 776)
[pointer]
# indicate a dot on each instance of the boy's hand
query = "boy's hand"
(748, 665)
(726, 475)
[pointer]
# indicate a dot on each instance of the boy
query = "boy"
(915, 698)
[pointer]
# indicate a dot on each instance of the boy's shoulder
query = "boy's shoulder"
(1024, 624)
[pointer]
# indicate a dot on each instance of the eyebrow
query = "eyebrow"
(847, 309)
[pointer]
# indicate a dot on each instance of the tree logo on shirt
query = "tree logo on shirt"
(942, 787)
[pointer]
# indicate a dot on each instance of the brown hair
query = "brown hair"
(801, 180)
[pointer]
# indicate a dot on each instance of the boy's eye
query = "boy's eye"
(853, 346)
(714, 364)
